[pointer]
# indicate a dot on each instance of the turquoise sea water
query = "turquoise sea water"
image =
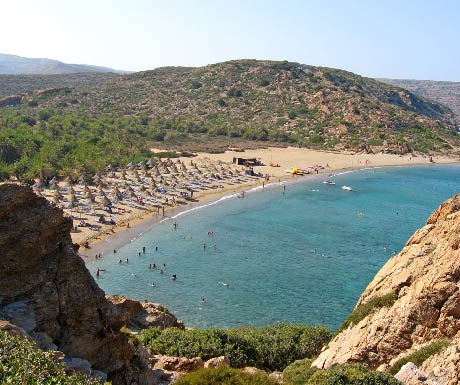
(265, 248)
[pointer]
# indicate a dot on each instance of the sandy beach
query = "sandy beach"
(128, 218)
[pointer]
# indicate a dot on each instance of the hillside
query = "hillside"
(274, 100)
(12, 64)
(447, 93)
(15, 84)
(212, 107)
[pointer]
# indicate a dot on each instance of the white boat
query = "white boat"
(329, 182)
(347, 188)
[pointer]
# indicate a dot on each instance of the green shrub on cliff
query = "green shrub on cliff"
(225, 376)
(421, 355)
(300, 373)
(269, 347)
(367, 308)
(20, 363)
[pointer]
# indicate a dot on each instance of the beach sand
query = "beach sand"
(141, 218)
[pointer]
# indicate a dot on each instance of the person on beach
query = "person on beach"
(128, 225)
(163, 211)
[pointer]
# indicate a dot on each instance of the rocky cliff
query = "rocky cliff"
(424, 278)
(46, 290)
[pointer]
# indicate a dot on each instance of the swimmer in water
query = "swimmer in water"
(114, 251)
(139, 253)
(161, 271)
(202, 301)
(175, 225)
(153, 284)
(154, 266)
(156, 248)
(143, 249)
(224, 284)
(126, 260)
(119, 262)
(97, 272)
(133, 274)
(204, 246)
(173, 277)
(150, 267)
(164, 264)
(215, 246)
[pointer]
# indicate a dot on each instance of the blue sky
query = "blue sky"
(386, 38)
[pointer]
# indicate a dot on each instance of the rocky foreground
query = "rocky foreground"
(48, 295)
(424, 277)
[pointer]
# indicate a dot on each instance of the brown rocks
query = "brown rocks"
(145, 314)
(216, 362)
(46, 288)
(181, 365)
(425, 278)
(410, 375)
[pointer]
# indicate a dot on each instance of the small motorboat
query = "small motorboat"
(348, 188)
(329, 182)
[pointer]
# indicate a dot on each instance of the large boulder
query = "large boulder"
(46, 288)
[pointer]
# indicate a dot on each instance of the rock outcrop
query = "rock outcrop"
(142, 315)
(424, 276)
(47, 292)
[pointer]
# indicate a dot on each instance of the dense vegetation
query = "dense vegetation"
(15, 84)
(419, 356)
(20, 363)
(269, 102)
(364, 309)
(447, 93)
(269, 347)
(300, 373)
(225, 376)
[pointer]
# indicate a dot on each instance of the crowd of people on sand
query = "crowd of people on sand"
(109, 198)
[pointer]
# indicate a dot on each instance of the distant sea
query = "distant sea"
(303, 257)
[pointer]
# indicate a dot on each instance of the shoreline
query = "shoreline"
(144, 223)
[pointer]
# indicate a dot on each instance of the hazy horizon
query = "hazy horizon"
(409, 40)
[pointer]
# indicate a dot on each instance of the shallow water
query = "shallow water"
(265, 248)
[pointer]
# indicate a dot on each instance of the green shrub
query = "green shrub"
(20, 363)
(419, 356)
(367, 308)
(270, 347)
(225, 376)
(349, 374)
(299, 372)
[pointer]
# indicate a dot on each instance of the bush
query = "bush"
(367, 308)
(270, 347)
(420, 355)
(225, 376)
(20, 363)
(299, 372)
(349, 374)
